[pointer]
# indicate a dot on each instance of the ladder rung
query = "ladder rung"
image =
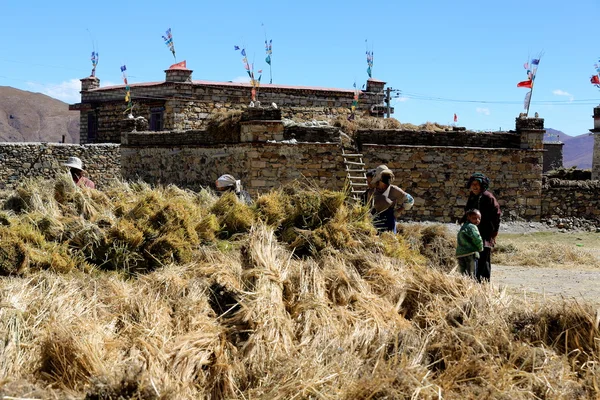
(354, 163)
(357, 177)
(356, 170)
(358, 184)
(357, 191)
(352, 155)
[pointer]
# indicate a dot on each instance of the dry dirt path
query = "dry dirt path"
(549, 282)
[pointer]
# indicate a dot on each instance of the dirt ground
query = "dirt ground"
(582, 284)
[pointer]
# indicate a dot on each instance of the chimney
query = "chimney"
(179, 73)
(375, 86)
(89, 83)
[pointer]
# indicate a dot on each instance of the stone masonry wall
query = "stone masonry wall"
(436, 177)
(260, 166)
(21, 160)
(580, 199)
(449, 138)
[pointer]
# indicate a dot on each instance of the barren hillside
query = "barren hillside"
(35, 117)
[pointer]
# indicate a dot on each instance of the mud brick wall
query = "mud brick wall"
(580, 199)
(30, 160)
(436, 177)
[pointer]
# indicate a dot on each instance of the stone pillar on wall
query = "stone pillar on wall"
(596, 153)
(531, 131)
(261, 125)
(89, 83)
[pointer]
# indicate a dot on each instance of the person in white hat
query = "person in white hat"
(229, 183)
(76, 168)
(388, 200)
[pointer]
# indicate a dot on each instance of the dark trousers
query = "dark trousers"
(484, 265)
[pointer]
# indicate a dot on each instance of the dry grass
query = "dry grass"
(355, 316)
(351, 127)
(541, 253)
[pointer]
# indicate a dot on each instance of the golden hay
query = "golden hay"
(14, 257)
(543, 255)
(435, 242)
(272, 207)
(364, 317)
(234, 216)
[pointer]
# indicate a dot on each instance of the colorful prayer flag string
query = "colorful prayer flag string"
(169, 42)
(354, 104)
(269, 51)
(250, 71)
(95, 58)
(369, 60)
(129, 107)
(531, 68)
(595, 79)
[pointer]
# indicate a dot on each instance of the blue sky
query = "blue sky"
(462, 57)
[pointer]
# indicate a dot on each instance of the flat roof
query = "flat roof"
(229, 84)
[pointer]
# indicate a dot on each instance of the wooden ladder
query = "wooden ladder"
(355, 173)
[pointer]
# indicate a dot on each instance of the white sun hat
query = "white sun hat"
(74, 162)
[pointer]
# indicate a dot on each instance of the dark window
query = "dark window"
(92, 125)
(156, 118)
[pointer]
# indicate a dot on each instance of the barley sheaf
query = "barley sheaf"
(157, 292)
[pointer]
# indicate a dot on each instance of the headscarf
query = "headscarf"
(483, 180)
(227, 181)
(379, 172)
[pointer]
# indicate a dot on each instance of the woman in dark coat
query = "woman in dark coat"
(484, 201)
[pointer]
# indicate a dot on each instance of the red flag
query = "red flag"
(525, 84)
(455, 117)
(595, 80)
(179, 65)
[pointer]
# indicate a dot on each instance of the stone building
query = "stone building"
(596, 154)
(182, 104)
(433, 166)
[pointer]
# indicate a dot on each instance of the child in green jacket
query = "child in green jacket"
(469, 244)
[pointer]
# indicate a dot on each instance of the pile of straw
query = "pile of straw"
(143, 302)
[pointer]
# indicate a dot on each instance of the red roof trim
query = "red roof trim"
(229, 84)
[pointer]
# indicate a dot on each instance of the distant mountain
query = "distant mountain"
(35, 117)
(577, 150)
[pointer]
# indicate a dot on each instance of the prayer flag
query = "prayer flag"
(455, 117)
(535, 61)
(236, 47)
(527, 100)
(595, 80)
(525, 84)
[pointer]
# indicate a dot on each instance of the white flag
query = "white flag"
(527, 99)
